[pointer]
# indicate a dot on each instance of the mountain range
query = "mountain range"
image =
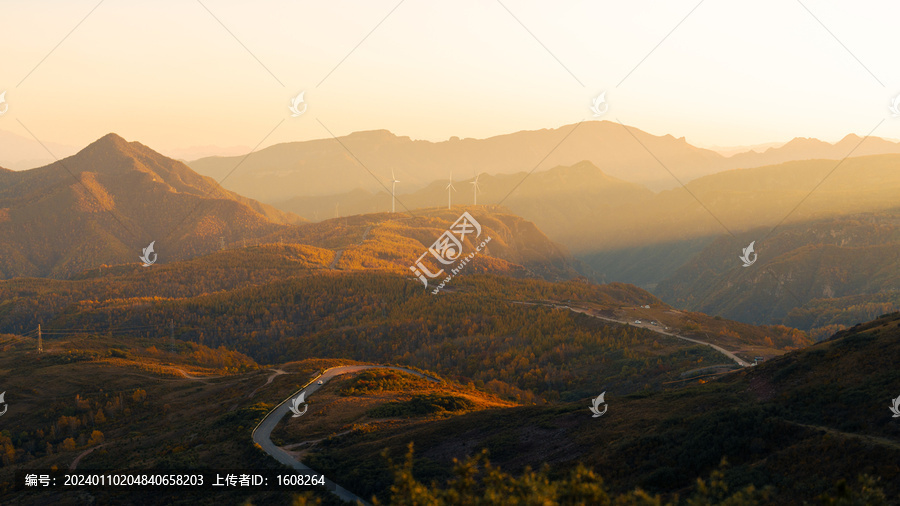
(806, 148)
(625, 232)
(110, 365)
(558, 200)
(106, 203)
(365, 160)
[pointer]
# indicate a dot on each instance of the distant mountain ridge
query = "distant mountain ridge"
(329, 166)
(804, 148)
(324, 167)
(590, 211)
(20, 153)
(109, 200)
(541, 196)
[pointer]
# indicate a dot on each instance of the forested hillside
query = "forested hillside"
(476, 333)
(801, 426)
(819, 276)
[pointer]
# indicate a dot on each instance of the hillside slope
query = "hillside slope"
(478, 331)
(605, 219)
(799, 424)
(110, 200)
(803, 273)
(568, 203)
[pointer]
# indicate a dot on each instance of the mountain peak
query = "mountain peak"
(110, 139)
(107, 145)
(374, 135)
(803, 141)
(850, 138)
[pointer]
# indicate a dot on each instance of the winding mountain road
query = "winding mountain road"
(262, 434)
(653, 328)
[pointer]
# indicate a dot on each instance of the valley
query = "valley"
(192, 362)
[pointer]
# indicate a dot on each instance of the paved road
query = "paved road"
(262, 434)
(334, 261)
(647, 326)
(655, 328)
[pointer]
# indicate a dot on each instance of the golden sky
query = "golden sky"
(170, 75)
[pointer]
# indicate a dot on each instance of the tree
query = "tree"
(96, 438)
(867, 495)
(476, 482)
(68, 445)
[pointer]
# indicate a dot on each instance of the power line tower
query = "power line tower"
(40, 340)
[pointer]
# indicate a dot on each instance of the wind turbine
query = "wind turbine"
(449, 189)
(394, 182)
(475, 189)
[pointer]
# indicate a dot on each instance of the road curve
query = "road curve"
(262, 434)
(654, 328)
(721, 350)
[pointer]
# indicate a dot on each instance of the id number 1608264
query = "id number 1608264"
(301, 480)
